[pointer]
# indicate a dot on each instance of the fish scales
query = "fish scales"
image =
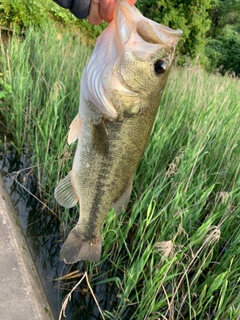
(111, 178)
(118, 104)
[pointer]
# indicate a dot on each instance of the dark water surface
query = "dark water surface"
(42, 231)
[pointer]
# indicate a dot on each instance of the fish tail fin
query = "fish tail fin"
(76, 247)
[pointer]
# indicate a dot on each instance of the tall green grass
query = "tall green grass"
(43, 70)
(175, 253)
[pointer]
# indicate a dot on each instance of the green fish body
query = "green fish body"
(121, 89)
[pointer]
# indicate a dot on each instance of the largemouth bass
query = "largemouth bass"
(121, 88)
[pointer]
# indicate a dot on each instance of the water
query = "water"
(42, 232)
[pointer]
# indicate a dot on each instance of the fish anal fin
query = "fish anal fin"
(76, 247)
(100, 137)
(64, 192)
(74, 129)
(121, 204)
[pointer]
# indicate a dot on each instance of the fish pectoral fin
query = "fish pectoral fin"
(65, 194)
(76, 247)
(121, 204)
(74, 129)
(100, 137)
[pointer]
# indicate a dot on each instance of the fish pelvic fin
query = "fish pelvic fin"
(74, 129)
(65, 193)
(76, 247)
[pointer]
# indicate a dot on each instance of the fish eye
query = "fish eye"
(160, 66)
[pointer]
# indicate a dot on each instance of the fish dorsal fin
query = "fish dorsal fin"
(100, 137)
(65, 194)
(121, 204)
(74, 129)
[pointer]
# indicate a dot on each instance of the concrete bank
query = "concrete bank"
(21, 294)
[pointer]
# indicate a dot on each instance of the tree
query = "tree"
(223, 13)
(223, 45)
(189, 15)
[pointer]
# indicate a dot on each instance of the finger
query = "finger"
(131, 2)
(94, 14)
(106, 9)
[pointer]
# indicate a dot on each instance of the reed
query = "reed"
(43, 70)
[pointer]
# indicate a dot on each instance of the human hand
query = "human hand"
(103, 10)
(95, 10)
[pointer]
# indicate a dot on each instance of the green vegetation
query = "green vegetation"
(41, 88)
(190, 16)
(223, 53)
(224, 44)
(175, 253)
(19, 15)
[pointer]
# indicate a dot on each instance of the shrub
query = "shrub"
(190, 16)
(223, 52)
(20, 15)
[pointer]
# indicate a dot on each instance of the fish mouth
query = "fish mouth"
(137, 32)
